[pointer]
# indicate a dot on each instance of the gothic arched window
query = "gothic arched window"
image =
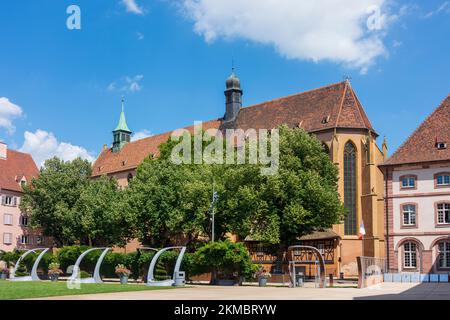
(350, 227)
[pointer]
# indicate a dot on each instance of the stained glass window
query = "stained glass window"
(350, 227)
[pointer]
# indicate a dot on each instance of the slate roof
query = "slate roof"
(16, 166)
(421, 145)
(332, 106)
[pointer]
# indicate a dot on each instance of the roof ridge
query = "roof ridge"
(21, 152)
(293, 95)
(361, 111)
(341, 105)
(417, 129)
(169, 131)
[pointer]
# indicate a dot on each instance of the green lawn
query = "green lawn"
(23, 290)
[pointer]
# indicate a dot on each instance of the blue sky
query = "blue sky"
(60, 89)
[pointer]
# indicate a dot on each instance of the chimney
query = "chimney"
(3, 150)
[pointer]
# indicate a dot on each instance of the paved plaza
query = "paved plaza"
(385, 291)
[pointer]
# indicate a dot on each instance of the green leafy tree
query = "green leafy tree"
(172, 202)
(224, 259)
(301, 198)
(51, 197)
(100, 215)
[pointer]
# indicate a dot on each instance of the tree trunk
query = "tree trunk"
(213, 277)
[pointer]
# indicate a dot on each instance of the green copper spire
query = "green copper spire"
(122, 134)
(122, 126)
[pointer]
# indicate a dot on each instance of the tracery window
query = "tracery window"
(350, 227)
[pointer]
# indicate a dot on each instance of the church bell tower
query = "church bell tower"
(122, 134)
(233, 94)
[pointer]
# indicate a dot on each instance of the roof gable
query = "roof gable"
(14, 168)
(421, 145)
(327, 107)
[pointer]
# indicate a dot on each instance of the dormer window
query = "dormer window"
(441, 145)
(408, 182)
(326, 119)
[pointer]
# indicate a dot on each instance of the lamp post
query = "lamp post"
(215, 198)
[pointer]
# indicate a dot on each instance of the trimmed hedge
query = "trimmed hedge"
(225, 257)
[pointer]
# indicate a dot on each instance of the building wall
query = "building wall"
(16, 229)
(370, 191)
(426, 234)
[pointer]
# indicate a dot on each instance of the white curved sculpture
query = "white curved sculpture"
(76, 268)
(34, 276)
(169, 282)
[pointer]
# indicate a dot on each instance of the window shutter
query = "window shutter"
(14, 201)
(3, 200)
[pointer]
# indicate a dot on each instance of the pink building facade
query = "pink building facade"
(417, 194)
(16, 170)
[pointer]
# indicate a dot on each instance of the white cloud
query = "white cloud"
(127, 84)
(140, 35)
(8, 112)
(444, 7)
(43, 145)
(349, 32)
(141, 135)
(133, 7)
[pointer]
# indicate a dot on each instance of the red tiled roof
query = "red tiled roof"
(332, 106)
(133, 153)
(421, 145)
(336, 103)
(14, 167)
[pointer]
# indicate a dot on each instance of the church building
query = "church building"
(336, 117)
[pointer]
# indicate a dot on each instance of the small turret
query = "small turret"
(384, 149)
(233, 94)
(122, 134)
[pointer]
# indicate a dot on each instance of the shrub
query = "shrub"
(21, 270)
(227, 259)
(67, 256)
